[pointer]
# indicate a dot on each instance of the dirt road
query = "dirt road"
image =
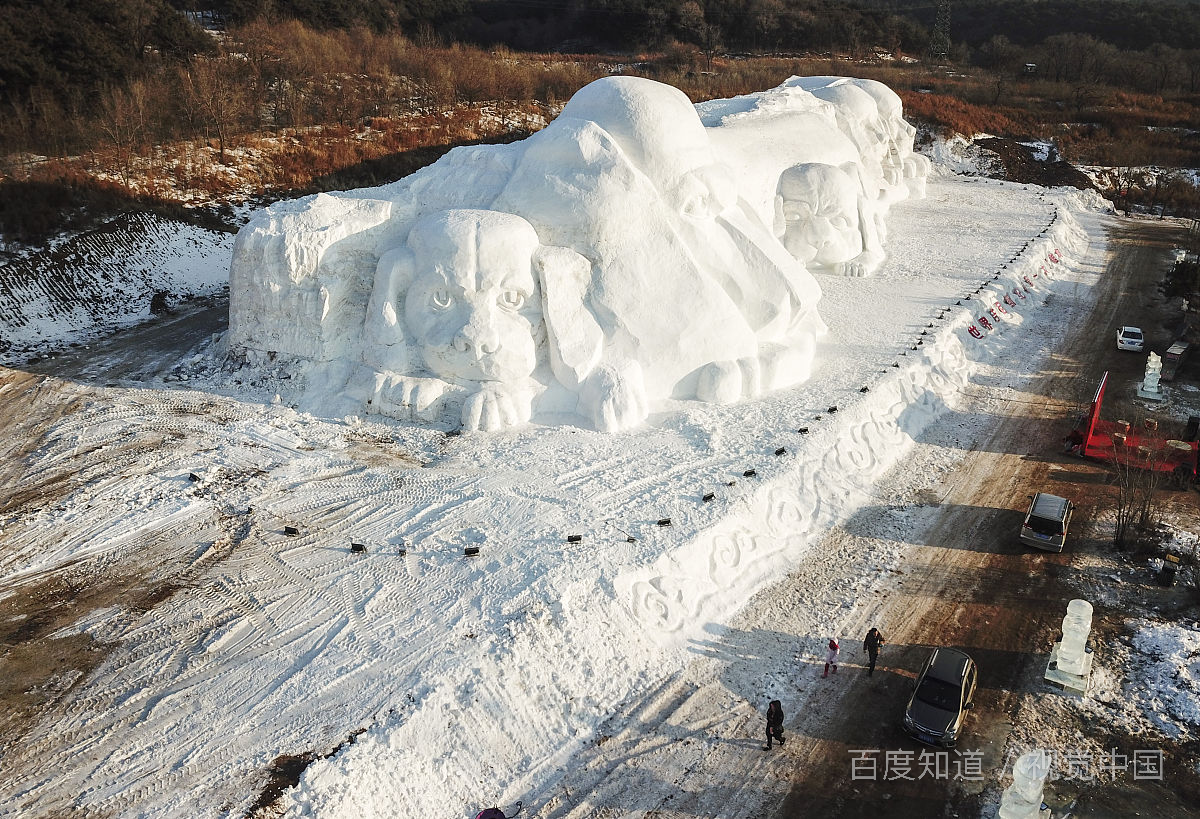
(972, 586)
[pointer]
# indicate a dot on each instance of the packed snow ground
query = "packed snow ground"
(467, 681)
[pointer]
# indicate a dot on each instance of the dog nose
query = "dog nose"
(476, 340)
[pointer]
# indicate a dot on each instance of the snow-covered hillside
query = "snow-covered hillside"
(105, 279)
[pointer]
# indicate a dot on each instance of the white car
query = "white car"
(1130, 338)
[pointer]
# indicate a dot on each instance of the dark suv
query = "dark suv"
(943, 695)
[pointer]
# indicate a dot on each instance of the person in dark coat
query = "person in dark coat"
(774, 723)
(871, 645)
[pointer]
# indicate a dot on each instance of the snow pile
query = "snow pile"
(960, 155)
(633, 251)
(1167, 667)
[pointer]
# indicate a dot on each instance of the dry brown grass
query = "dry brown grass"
(314, 109)
(953, 115)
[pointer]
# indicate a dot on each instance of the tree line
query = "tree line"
(62, 57)
(136, 90)
(544, 25)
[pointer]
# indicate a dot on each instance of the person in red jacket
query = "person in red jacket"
(831, 656)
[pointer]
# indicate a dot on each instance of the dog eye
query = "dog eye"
(512, 299)
(441, 299)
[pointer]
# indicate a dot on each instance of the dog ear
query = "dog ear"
(384, 347)
(576, 339)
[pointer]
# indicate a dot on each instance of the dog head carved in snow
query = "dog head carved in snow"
(467, 300)
(467, 288)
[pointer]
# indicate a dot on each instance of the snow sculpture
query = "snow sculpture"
(1076, 626)
(1023, 798)
(623, 255)
(467, 283)
(858, 117)
(869, 113)
(290, 294)
(854, 125)
(901, 163)
(1150, 386)
(759, 136)
(627, 177)
(821, 212)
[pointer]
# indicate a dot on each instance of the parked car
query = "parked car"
(944, 692)
(1130, 338)
(1046, 523)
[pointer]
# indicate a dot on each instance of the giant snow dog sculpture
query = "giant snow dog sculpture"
(623, 255)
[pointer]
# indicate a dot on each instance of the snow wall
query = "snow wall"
(637, 249)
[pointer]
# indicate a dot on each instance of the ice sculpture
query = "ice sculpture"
(1150, 386)
(623, 255)
(1070, 663)
(1076, 626)
(1023, 798)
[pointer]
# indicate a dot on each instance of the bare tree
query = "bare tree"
(1083, 96)
(1191, 61)
(999, 54)
(1126, 177)
(1149, 484)
(1160, 63)
(1125, 504)
(213, 89)
(1140, 474)
(704, 34)
(137, 21)
(120, 122)
(764, 17)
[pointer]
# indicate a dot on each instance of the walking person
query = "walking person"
(831, 656)
(871, 645)
(774, 723)
(496, 813)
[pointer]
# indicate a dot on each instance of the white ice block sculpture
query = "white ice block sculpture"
(630, 252)
(1071, 660)
(1076, 626)
(1150, 386)
(1023, 798)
